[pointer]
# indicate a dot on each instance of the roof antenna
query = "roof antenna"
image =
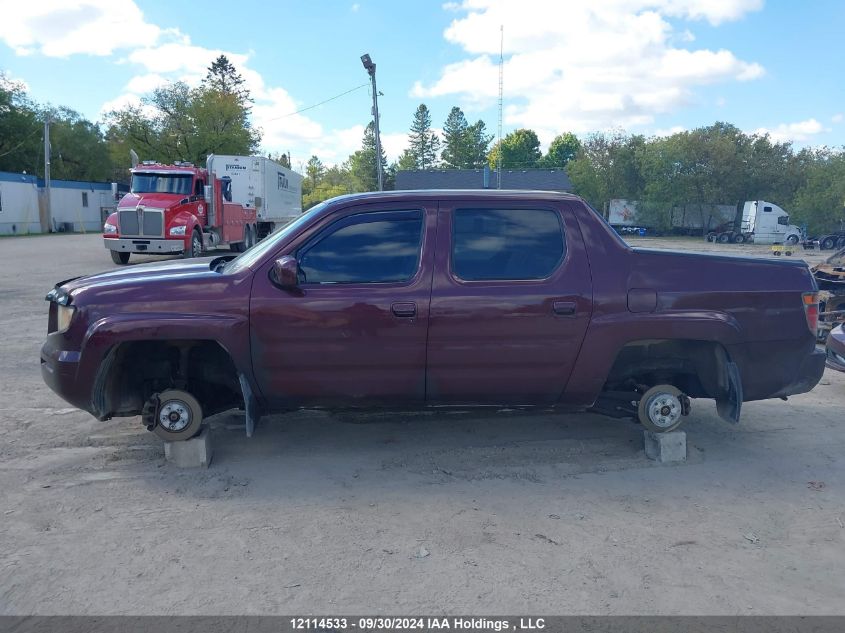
(501, 85)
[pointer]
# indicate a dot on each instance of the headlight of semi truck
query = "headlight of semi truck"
(178, 230)
(64, 316)
(109, 229)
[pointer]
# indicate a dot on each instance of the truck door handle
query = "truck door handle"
(564, 308)
(404, 309)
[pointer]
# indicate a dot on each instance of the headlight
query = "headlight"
(65, 314)
(178, 230)
(110, 229)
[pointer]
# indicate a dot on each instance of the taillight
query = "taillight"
(811, 311)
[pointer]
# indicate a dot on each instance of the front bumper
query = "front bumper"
(144, 245)
(836, 349)
(60, 369)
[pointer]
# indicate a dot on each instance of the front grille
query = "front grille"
(128, 222)
(151, 223)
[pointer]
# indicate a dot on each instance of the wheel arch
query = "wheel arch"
(113, 345)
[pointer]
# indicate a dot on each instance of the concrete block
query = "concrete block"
(193, 453)
(666, 447)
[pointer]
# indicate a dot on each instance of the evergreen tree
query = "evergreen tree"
(224, 77)
(456, 140)
(362, 164)
(424, 142)
(478, 145)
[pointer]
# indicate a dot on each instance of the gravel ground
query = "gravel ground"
(428, 513)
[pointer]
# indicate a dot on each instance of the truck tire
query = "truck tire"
(120, 257)
(195, 247)
(711, 237)
(661, 409)
(840, 243)
(178, 417)
(739, 238)
(828, 243)
(723, 238)
(792, 239)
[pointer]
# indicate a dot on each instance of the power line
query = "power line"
(311, 107)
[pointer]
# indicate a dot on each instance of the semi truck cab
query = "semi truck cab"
(768, 223)
(177, 209)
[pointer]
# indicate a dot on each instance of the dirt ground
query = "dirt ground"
(435, 513)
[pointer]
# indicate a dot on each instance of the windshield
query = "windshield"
(269, 243)
(162, 183)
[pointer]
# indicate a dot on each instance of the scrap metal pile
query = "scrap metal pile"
(830, 276)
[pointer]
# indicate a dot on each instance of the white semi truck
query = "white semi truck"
(762, 223)
(275, 192)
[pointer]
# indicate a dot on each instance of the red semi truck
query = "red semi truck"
(184, 209)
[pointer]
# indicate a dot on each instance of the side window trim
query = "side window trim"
(369, 217)
(533, 280)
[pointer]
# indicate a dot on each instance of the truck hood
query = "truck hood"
(156, 200)
(142, 274)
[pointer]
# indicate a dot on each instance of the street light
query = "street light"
(370, 67)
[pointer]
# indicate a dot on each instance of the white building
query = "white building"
(74, 205)
(19, 211)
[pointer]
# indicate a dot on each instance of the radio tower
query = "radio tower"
(501, 87)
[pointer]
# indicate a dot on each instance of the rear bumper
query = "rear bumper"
(809, 374)
(143, 245)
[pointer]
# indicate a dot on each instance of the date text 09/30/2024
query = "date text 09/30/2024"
(416, 623)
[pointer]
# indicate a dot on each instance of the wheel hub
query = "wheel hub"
(174, 415)
(664, 410)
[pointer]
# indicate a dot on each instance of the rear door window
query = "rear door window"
(366, 248)
(506, 244)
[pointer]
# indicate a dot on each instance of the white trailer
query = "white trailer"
(685, 219)
(275, 192)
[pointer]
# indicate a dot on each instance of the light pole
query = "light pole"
(370, 66)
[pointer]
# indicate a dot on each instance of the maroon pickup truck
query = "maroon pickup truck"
(410, 299)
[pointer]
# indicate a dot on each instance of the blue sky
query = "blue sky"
(646, 66)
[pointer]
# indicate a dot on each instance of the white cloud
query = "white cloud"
(579, 66)
(59, 28)
(837, 118)
(675, 129)
(354, 8)
(798, 132)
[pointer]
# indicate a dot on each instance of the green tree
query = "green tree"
(185, 124)
(456, 150)
(406, 161)
(424, 142)
(520, 150)
(820, 201)
(562, 149)
(478, 145)
(20, 129)
(362, 164)
(222, 76)
(314, 170)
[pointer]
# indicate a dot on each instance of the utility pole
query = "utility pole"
(371, 71)
(501, 91)
(48, 215)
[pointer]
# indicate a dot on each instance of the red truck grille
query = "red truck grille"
(141, 223)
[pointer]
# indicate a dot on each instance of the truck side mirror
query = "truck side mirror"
(114, 194)
(207, 193)
(286, 270)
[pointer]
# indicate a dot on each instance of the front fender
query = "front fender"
(104, 335)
